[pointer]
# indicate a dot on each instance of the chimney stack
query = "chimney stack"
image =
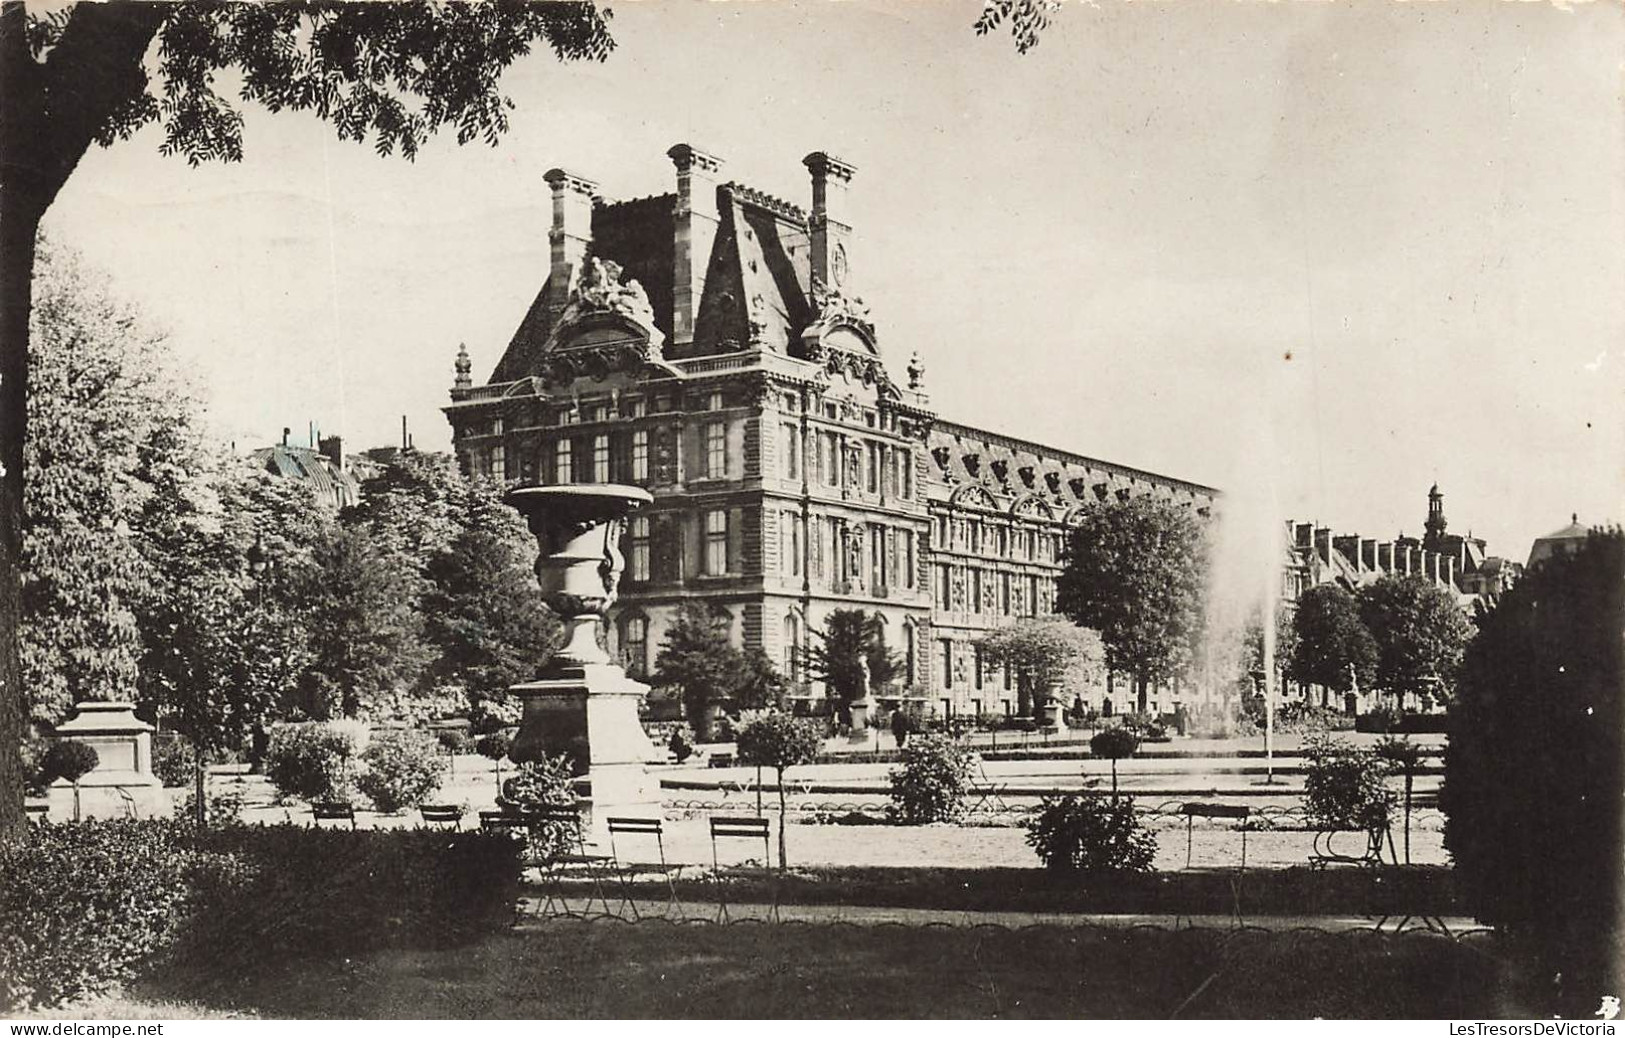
(829, 224)
(694, 223)
(571, 233)
(1368, 553)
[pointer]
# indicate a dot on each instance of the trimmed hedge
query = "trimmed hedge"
(1383, 722)
(84, 907)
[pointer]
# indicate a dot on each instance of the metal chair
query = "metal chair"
(733, 827)
(442, 814)
(332, 811)
(1193, 811)
(572, 862)
(627, 828)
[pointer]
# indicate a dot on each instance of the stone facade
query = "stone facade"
(707, 345)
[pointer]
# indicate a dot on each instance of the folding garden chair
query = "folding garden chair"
(442, 814)
(628, 828)
(332, 811)
(726, 827)
(566, 859)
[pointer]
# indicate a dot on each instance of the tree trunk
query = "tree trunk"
(1142, 693)
(19, 221)
(199, 779)
(50, 111)
(784, 859)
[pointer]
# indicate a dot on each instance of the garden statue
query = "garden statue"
(861, 705)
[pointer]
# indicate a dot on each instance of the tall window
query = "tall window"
(635, 645)
(716, 542)
(906, 557)
(947, 651)
(1004, 593)
(792, 649)
(640, 455)
(792, 460)
(714, 402)
(873, 468)
(600, 458)
(499, 463)
(906, 457)
(944, 594)
(716, 450)
(563, 465)
(976, 651)
(637, 567)
(832, 476)
(976, 592)
(908, 652)
(1032, 595)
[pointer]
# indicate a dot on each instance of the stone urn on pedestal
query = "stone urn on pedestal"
(582, 704)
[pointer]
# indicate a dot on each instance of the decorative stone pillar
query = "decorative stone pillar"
(582, 704)
(122, 784)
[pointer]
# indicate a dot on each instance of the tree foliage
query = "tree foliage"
(1135, 573)
(393, 73)
(1025, 20)
(1533, 767)
(697, 657)
(1334, 648)
(849, 640)
(1051, 654)
(1420, 635)
(779, 741)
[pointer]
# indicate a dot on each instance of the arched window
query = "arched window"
(635, 644)
(792, 648)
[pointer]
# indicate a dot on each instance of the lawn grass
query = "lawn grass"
(571, 969)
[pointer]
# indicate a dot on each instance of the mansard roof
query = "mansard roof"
(1022, 474)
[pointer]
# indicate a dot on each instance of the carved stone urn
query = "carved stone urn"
(582, 704)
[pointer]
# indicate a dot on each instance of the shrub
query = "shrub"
(82, 906)
(403, 769)
(314, 761)
(494, 745)
(175, 763)
(549, 782)
(69, 759)
(223, 807)
(1531, 792)
(930, 785)
(295, 891)
(1091, 834)
(1302, 718)
(1382, 720)
(33, 749)
(1345, 787)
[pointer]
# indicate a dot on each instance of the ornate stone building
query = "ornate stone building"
(707, 344)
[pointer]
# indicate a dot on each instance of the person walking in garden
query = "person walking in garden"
(900, 727)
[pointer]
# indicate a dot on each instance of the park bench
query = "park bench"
(332, 811)
(1323, 852)
(720, 760)
(442, 814)
(735, 827)
(38, 813)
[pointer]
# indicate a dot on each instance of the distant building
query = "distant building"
(1559, 542)
(1458, 564)
(322, 466)
(706, 344)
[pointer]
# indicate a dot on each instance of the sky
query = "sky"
(1316, 255)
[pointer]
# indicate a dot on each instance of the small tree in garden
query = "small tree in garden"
(403, 770)
(71, 760)
(1420, 635)
(1403, 756)
(1346, 788)
(1049, 653)
(494, 746)
(698, 658)
(930, 785)
(780, 742)
(1114, 743)
(1091, 834)
(849, 640)
(313, 762)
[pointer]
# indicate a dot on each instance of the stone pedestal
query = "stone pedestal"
(582, 704)
(1053, 715)
(861, 710)
(122, 784)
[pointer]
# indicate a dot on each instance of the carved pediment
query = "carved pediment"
(831, 307)
(972, 496)
(599, 288)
